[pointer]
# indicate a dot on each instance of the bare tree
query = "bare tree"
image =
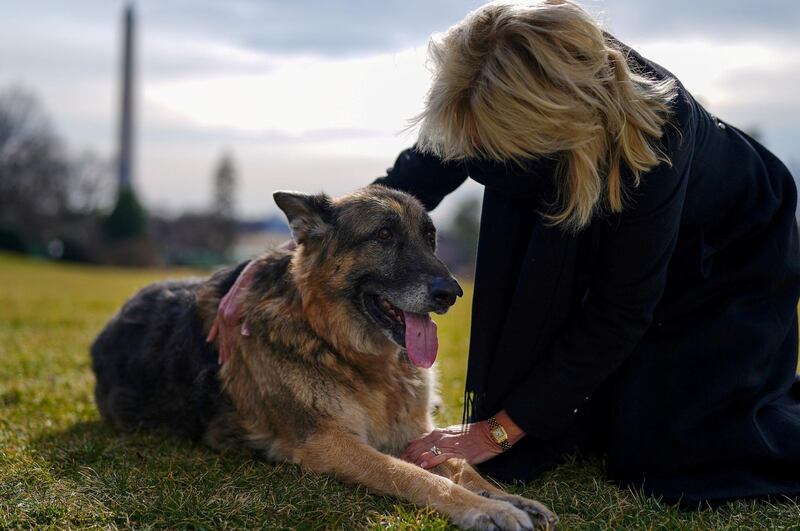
(46, 197)
(91, 184)
(34, 171)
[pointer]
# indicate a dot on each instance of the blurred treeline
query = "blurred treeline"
(49, 198)
(61, 205)
(67, 206)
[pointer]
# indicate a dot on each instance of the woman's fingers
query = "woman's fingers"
(419, 445)
(413, 450)
(432, 436)
(449, 441)
(428, 438)
(429, 460)
(425, 444)
(426, 455)
(422, 444)
(452, 442)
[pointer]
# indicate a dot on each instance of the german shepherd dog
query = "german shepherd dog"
(332, 375)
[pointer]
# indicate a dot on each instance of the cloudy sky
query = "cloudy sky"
(315, 94)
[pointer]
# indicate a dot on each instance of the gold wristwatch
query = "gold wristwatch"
(498, 434)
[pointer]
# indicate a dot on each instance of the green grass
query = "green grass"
(61, 467)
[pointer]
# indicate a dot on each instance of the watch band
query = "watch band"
(493, 425)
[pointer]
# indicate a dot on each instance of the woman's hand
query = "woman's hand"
(470, 442)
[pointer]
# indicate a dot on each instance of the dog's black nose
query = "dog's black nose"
(444, 290)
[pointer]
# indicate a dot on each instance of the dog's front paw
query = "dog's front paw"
(495, 515)
(542, 517)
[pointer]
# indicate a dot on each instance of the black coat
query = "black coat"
(664, 337)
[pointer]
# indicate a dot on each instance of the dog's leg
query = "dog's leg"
(348, 458)
(462, 473)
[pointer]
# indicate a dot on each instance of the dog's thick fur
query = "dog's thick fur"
(319, 381)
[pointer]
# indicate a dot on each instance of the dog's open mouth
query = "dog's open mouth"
(416, 332)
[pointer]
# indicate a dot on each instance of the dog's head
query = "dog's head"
(366, 265)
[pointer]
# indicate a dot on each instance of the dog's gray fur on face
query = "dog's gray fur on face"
(413, 298)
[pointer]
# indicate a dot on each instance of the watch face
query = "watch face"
(497, 434)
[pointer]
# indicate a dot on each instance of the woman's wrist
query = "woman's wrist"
(514, 432)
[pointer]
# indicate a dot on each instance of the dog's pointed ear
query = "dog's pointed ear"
(310, 216)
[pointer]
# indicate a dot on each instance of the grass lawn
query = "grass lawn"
(61, 467)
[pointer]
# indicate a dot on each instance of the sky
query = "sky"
(315, 95)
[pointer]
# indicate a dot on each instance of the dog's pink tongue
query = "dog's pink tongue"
(421, 340)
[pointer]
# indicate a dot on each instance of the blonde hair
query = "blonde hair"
(516, 81)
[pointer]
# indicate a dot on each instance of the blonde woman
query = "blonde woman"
(638, 269)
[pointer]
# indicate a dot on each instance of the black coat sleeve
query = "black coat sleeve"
(625, 285)
(424, 176)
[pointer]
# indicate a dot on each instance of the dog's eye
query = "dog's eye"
(431, 237)
(384, 234)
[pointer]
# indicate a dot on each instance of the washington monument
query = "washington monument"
(126, 103)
